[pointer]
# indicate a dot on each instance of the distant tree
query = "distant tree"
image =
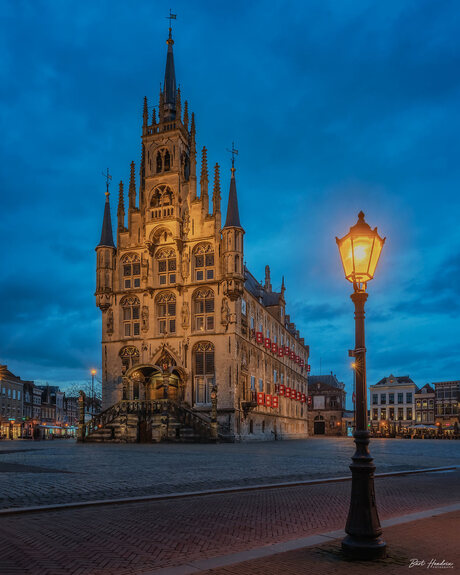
(93, 404)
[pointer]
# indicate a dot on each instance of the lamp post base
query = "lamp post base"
(364, 549)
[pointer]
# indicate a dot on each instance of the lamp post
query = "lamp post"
(360, 251)
(93, 373)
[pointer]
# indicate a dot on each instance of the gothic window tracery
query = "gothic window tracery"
(131, 271)
(130, 306)
(203, 259)
(163, 161)
(162, 202)
(159, 163)
(203, 310)
(166, 313)
(167, 266)
(204, 371)
(129, 357)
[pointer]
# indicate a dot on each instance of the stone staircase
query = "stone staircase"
(147, 421)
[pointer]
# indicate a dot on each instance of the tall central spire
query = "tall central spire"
(169, 89)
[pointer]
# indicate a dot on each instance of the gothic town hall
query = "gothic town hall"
(193, 347)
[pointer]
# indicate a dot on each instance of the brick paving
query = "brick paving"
(425, 540)
(116, 471)
(133, 538)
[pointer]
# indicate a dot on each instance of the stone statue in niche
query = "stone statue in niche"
(110, 321)
(145, 267)
(186, 224)
(224, 312)
(145, 318)
(185, 314)
(185, 264)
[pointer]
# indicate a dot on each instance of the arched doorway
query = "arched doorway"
(319, 425)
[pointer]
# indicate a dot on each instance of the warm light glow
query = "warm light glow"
(360, 251)
(93, 372)
(353, 365)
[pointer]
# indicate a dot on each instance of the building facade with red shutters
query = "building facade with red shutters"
(193, 346)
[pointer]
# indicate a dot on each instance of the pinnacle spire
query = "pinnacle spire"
(106, 233)
(121, 207)
(204, 165)
(145, 113)
(132, 188)
(233, 217)
(185, 122)
(216, 192)
(169, 91)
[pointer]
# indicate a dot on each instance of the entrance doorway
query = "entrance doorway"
(319, 425)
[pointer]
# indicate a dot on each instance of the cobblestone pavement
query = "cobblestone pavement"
(33, 473)
(426, 540)
(135, 538)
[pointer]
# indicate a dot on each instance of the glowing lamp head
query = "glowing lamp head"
(93, 372)
(360, 252)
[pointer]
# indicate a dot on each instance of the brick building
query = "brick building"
(181, 313)
(326, 404)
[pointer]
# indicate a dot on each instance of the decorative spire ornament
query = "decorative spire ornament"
(216, 192)
(121, 208)
(132, 188)
(185, 122)
(146, 113)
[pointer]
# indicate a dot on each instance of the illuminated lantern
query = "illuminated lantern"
(274, 347)
(268, 400)
(360, 252)
(287, 392)
(281, 389)
(303, 398)
(309, 401)
(308, 368)
(260, 398)
(292, 355)
(302, 363)
(259, 337)
(268, 343)
(299, 395)
(280, 351)
(275, 402)
(286, 350)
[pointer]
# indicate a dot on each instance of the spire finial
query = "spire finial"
(185, 115)
(234, 152)
(171, 17)
(216, 192)
(107, 177)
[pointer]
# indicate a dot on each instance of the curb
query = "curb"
(224, 490)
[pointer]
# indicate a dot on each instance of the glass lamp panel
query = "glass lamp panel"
(378, 245)
(347, 257)
(362, 251)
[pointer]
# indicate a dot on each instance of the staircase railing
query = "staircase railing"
(199, 422)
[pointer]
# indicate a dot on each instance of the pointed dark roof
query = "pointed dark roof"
(170, 82)
(233, 216)
(106, 234)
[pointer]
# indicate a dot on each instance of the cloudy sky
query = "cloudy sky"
(335, 106)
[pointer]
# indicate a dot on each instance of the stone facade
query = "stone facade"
(326, 405)
(181, 314)
(392, 404)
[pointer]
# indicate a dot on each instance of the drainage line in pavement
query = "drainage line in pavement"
(222, 491)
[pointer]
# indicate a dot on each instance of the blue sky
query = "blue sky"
(334, 107)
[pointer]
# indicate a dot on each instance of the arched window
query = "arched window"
(167, 161)
(166, 313)
(204, 375)
(204, 262)
(131, 316)
(166, 259)
(159, 163)
(203, 310)
(237, 263)
(131, 270)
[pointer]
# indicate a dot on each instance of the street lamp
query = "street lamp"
(93, 373)
(360, 251)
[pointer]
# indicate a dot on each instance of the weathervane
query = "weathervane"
(171, 17)
(234, 152)
(107, 177)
